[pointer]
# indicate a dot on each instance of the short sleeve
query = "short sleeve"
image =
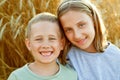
(12, 77)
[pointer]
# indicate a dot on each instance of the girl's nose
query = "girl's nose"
(77, 34)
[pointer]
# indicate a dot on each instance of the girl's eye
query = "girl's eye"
(68, 30)
(81, 25)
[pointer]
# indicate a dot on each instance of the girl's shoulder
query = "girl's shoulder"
(112, 48)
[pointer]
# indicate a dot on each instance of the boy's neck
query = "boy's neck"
(44, 69)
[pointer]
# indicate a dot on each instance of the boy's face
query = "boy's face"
(45, 42)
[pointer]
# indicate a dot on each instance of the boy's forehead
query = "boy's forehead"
(43, 24)
(45, 27)
(45, 21)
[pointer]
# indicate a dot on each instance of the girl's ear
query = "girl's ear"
(27, 43)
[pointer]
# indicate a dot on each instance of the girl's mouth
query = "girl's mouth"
(81, 42)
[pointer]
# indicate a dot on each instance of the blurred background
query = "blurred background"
(15, 14)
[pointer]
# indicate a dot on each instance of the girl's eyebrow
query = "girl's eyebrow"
(66, 28)
(79, 21)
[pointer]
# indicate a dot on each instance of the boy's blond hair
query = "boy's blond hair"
(45, 16)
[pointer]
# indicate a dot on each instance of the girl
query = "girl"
(91, 55)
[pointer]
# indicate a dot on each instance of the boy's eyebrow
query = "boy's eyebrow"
(43, 35)
(38, 35)
(52, 35)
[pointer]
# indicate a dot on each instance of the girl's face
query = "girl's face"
(45, 42)
(79, 29)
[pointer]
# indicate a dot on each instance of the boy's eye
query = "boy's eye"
(38, 39)
(52, 38)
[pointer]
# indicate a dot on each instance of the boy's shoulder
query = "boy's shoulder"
(20, 70)
(68, 72)
(68, 69)
(18, 73)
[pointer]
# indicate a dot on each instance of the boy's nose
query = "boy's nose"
(45, 46)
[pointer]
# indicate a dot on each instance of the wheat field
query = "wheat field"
(14, 16)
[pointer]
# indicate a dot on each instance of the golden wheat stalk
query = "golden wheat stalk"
(14, 16)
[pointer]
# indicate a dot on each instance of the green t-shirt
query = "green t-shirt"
(24, 73)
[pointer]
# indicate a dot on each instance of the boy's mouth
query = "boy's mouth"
(46, 53)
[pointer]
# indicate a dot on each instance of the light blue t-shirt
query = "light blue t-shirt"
(24, 73)
(96, 66)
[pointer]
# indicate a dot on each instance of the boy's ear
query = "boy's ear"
(27, 43)
(62, 43)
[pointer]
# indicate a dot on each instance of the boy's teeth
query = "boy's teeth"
(46, 53)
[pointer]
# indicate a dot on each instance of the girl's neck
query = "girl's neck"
(91, 49)
(44, 69)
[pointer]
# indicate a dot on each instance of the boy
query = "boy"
(44, 40)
